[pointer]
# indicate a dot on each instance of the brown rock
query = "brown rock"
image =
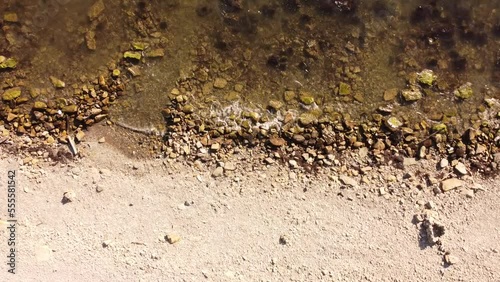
(220, 83)
(390, 94)
(11, 94)
(451, 183)
(96, 9)
(39, 105)
(277, 141)
(70, 109)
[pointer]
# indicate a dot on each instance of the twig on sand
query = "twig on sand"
(72, 145)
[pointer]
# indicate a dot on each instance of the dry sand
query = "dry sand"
(266, 224)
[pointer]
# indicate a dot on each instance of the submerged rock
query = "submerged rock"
(11, 94)
(156, 53)
(307, 119)
(132, 55)
(11, 17)
(464, 91)
(306, 98)
(57, 82)
(411, 95)
(393, 123)
(390, 94)
(426, 77)
(9, 63)
(344, 89)
(96, 9)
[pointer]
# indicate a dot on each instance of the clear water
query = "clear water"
(268, 48)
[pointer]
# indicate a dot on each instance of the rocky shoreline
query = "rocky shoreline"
(294, 125)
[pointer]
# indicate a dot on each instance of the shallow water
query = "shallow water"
(267, 47)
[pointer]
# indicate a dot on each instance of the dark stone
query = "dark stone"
(203, 11)
(268, 11)
(332, 6)
(231, 6)
(496, 30)
(421, 14)
(290, 6)
(381, 10)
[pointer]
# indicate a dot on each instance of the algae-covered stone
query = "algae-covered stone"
(90, 40)
(39, 105)
(232, 96)
(220, 82)
(11, 17)
(426, 77)
(344, 89)
(289, 96)
(57, 82)
(490, 102)
(306, 98)
(132, 55)
(139, 46)
(307, 119)
(70, 109)
(22, 100)
(188, 109)
(96, 9)
(254, 116)
(411, 95)
(9, 63)
(275, 104)
(439, 127)
(393, 123)
(11, 94)
(464, 91)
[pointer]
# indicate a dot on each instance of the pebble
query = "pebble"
(443, 163)
(220, 83)
(95, 10)
(79, 135)
(284, 240)
(460, 167)
(379, 145)
(69, 196)
(409, 161)
(107, 243)
(363, 152)
(469, 193)
(480, 149)
(269, 160)
(215, 146)
(411, 95)
(349, 181)
(450, 259)
(422, 152)
(430, 205)
(101, 140)
(293, 163)
(390, 94)
(172, 238)
(218, 172)
(451, 183)
(230, 166)
(277, 141)
(382, 191)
